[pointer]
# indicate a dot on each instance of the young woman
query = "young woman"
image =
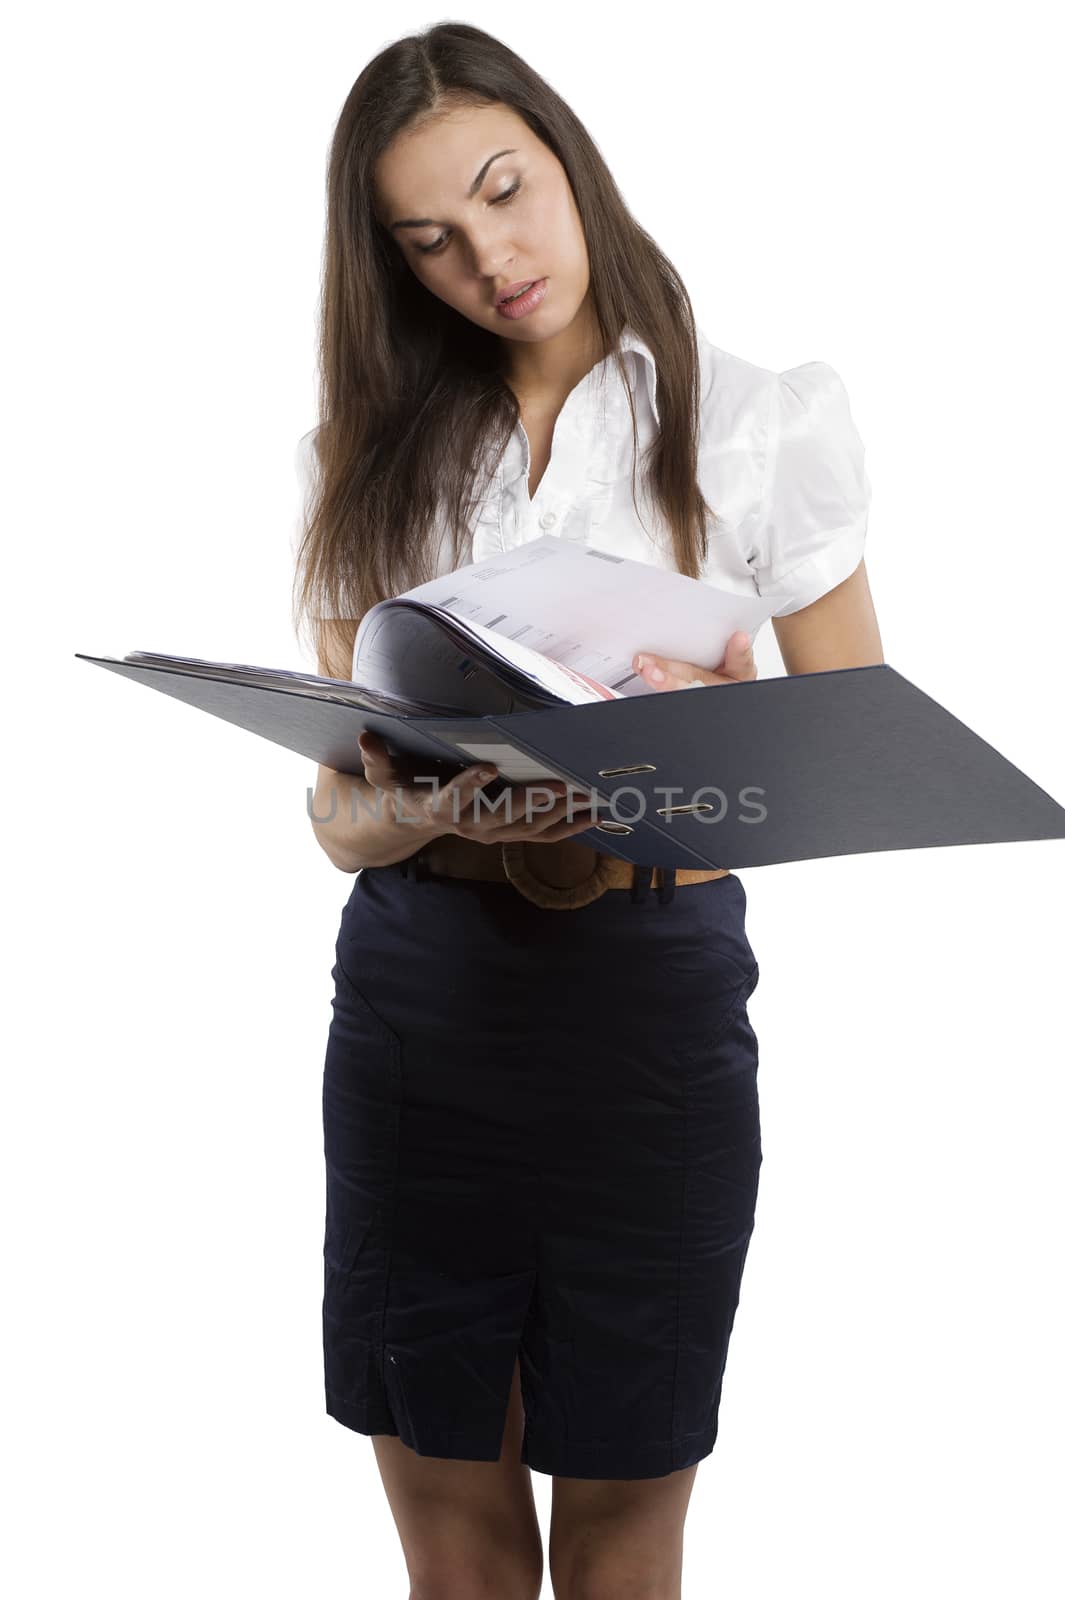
(541, 1110)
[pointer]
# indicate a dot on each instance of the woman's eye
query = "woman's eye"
(438, 244)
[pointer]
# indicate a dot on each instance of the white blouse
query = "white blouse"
(780, 461)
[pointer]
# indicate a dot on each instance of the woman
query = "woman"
(541, 1111)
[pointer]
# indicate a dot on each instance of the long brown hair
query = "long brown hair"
(413, 404)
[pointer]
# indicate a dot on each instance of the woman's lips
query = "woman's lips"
(526, 302)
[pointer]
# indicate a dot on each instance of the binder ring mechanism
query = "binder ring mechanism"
(662, 811)
(602, 875)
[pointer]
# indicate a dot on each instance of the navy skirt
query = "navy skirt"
(542, 1148)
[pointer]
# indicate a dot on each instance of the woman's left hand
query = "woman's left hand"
(737, 667)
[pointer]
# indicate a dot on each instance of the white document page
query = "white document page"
(591, 610)
(382, 660)
(558, 676)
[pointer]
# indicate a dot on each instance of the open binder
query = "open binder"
(732, 775)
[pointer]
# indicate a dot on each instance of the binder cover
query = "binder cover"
(780, 769)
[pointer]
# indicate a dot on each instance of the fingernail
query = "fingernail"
(657, 675)
(639, 663)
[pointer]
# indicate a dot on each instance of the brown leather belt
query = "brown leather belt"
(560, 876)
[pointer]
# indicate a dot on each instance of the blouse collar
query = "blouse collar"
(630, 340)
(598, 414)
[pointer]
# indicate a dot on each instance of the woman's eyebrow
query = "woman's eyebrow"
(428, 222)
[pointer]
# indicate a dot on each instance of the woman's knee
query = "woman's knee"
(509, 1578)
(619, 1539)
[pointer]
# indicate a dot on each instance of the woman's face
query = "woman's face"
(522, 223)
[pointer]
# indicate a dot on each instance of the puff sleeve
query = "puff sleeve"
(306, 469)
(811, 527)
(307, 472)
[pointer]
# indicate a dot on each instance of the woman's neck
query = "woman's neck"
(543, 373)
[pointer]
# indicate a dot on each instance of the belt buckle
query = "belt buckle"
(551, 896)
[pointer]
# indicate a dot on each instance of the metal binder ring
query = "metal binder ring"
(551, 897)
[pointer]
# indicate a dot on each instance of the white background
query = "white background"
(872, 187)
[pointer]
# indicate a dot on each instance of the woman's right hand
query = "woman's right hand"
(452, 807)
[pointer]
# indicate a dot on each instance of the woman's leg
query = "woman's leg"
(619, 1539)
(468, 1528)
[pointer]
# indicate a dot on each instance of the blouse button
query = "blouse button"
(548, 519)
